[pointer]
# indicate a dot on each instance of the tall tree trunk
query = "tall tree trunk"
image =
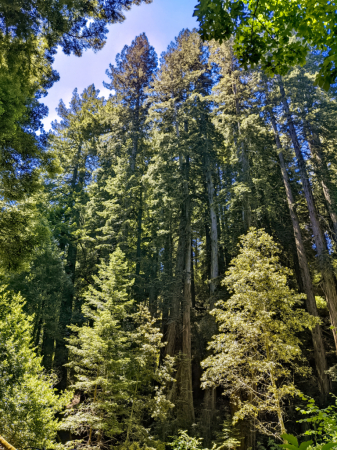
(153, 286)
(187, 409)
(243, 157)
(139, 234)
(181, 393)
(323, 175)
(192, 277)
(210, 394)
(213, 229)
(317, 338)
(168, 283)
(329, 281)
(48, 343)
(66, 308)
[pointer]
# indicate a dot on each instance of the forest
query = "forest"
(168, 258)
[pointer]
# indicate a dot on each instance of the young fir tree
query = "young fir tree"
(28, 402)
(115, 358)
(257, 350)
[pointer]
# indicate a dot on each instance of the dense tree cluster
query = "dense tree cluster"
(179, 269)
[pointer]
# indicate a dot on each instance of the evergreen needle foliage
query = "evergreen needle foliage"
(258, 348)
(28, 401)
(115, 357)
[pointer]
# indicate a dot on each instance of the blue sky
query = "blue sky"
(161, 21)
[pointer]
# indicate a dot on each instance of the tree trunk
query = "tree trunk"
(66, 308)
(324, 177)
(329, 281)
(187, 409)
(48, 346)
(181, 393)
(213, 230)
(317, 338)
(246, 209)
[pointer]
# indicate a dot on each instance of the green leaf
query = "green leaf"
(305, 445)
(329, 445)
(290, 438)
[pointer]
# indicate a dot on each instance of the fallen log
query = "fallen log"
(5, 444)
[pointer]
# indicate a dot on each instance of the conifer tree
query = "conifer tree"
(130, 78)
(258, 349)
(43, 284)
(28, 402)
(74, 141)
(115, 359)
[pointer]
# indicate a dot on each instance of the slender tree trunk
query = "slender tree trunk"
(317, 338)
(329, 281)
(213, 229)
(210, 394)
(192, 277)
(48, 344)
(246, 208)
(168, 284)
(139, 235)
(153, 287)
(324, 177)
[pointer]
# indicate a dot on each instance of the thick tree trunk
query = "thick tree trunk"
(317, 338)
(187, 409)
(210, 394)
(329, 281)
(177, 288)
(179, 269)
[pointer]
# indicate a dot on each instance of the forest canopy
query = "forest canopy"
(168, 266)
(275, 34)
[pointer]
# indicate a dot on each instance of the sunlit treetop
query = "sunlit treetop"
(277, 34)
(73, 24)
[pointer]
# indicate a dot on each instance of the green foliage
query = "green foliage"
(23, 228)
(43, 284)
(257, 349)
(28, 403)
(115, 357)
(186, 442)
(291, 443)
(323, 421)
(228, 438)
(155, 445)
(263, 32)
